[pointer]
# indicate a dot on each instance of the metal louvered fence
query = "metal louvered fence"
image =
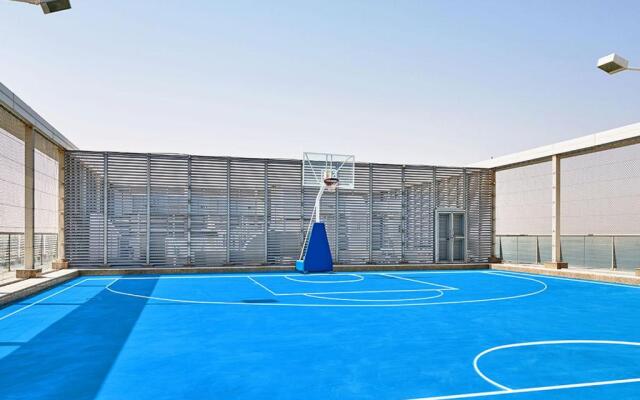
(126, 209)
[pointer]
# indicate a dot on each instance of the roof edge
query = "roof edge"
(582, 144)
(28, 115)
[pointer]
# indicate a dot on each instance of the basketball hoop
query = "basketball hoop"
(325, 172)
(331, 184)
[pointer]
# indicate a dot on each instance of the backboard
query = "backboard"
(319, 166)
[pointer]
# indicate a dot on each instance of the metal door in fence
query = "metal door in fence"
(451, 233)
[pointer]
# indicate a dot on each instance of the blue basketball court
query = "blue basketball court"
(478, 334)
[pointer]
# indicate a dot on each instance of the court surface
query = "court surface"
(395, 335)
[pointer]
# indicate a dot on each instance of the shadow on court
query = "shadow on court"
(71, 358)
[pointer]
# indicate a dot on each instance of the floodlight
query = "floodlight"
(613, 64)
(49, 6)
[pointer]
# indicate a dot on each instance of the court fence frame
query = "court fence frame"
(168, 210)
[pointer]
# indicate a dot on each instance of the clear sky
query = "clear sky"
(420, 82)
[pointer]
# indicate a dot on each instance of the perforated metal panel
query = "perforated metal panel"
(206, 211)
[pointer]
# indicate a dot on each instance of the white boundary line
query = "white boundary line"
(42, 299)
(363, 291)
(115, 279)
(505, 390)
(415, 280)
(540, 343)
(358, 278)
(544, 287)
(271, 275)
(530, 390)
(575, 280)
(262, 286)
(440, 294)
(431, 286)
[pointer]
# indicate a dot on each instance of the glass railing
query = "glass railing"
(616, 252)
(45, 246)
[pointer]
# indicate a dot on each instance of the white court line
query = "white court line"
(361, 291)
(440, 294)
(530, 390)
(422, 282)
(544, 287)
(42, 299)
(540, 343)
(358, 278)
(269, 275)
(262, 286)
(576, 280)
(434, 286)
(505, 390)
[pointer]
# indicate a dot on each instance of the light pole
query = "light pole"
(49, 6)
(613, 63)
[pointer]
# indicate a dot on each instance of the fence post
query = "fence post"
(228, 210)
(403, 215)
(538, 250)
(370, 213)
(189, 259)
(266, 212)
(105, 200)
(434, 199)
(337, 228)
(465, 202)
(148, 222)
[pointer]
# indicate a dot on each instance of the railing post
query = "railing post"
(538, 250)
(584, 251)
(614, 261)
(9, 252)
